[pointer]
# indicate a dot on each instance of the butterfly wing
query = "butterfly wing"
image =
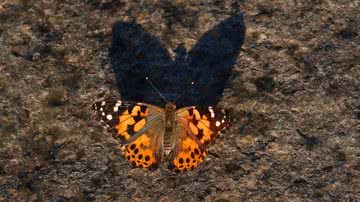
(197, 128)
(139, 127)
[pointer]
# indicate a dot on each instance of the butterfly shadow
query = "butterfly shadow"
(136, 54)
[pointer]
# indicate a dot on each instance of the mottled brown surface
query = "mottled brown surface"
(295, 94)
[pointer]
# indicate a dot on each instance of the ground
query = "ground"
(293, 90)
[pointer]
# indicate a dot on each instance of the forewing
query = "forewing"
(196, 129)
(137, 126)
(125, 119)
(205, 123)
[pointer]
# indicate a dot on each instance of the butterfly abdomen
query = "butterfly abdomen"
(168, 143)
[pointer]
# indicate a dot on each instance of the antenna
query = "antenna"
(155, 89)
(182, 93)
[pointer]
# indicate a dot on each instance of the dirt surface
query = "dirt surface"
(293, 90)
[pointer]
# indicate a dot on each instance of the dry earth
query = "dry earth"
(294, 93)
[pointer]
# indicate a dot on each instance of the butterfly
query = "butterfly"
(150, 134)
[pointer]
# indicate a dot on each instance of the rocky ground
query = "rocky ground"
(294, 92)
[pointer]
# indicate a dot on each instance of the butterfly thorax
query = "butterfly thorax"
(170, 110)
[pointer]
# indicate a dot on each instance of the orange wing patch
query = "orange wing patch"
(124, 121)
(131, 120)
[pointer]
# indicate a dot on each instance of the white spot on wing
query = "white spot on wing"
(223, 121)
(103, 103)
(109, 117)
(217, 123)
(118, 103)
(212, 114)
(116, 108)
(103, 114)
(101, 109)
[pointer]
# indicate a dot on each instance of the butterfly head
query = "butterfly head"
(170, 106)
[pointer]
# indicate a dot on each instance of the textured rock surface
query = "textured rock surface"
(294, 91)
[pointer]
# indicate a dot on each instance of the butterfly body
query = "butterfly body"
(170, 118)
(151, 134)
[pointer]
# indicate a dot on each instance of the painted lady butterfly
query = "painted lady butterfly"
(149, 133)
